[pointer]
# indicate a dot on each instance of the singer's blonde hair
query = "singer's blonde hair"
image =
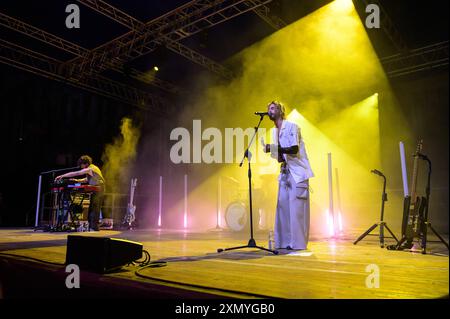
(280, 107)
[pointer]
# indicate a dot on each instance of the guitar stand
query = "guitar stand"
(129, 220)
(401, 245)
(426, 224)
(381, 223)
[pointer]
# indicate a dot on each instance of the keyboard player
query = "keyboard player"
(92, 176)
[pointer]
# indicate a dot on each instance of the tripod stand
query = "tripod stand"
(426, 224)
(248, 155)
(381, 223)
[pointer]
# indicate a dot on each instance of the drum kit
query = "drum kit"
(237, 212)
(236, 216)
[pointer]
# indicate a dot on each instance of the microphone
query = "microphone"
(375, 171)
(261, 113)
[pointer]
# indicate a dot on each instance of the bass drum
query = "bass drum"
(236, 216)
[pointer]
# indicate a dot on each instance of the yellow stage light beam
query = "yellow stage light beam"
(355, 180)
(356, 129)
(321, 63)
(342, 6)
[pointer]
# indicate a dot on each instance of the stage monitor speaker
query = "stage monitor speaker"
(101, 254)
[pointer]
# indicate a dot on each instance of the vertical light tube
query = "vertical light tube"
(330, 191)
(38, 202)
(329, 223)
(260, 221)
(339, 207)
(404, 173)
(185, 201)
(219, 202)
(340, 221)
(160, 201)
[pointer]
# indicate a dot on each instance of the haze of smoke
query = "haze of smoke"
(118, 156)
(320, 65)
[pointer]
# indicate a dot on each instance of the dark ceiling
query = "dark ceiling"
(419, 23)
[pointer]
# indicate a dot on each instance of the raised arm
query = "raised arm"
(83, 171)
(79, 180)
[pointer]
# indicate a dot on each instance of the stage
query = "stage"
(32, 266)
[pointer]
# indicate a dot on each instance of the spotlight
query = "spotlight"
(344, 6)
(155, 68)
(295, 116)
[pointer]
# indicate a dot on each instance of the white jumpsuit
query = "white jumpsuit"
(293, 203)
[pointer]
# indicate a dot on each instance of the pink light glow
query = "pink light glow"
(160, 202)
(260, 218)
(185, 201)
(340, 221)
(330, 223)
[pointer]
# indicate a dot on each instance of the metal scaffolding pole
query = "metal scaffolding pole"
(177, 24)
(37, 63)
(271, 19)
(425, 58)
(388, 27)
(53, 40)
(136, 25)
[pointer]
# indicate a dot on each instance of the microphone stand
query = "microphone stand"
(38, 200)
(248, 155)
(427, 224)
(381, 223)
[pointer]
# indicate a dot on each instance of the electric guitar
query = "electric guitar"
(414, 206)
(130, 216)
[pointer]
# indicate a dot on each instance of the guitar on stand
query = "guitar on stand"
(129, 219)
(413, 205)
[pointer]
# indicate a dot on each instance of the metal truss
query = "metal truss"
(389, 28)
(425, 58)
(271, 19)
(41, 35)
(168, 30)
(40, 64)
(177, 24)
(136, 25)
(77, 50)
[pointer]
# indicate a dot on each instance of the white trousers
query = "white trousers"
(292, 215)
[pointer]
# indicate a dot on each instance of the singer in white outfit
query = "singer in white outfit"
(292, 216)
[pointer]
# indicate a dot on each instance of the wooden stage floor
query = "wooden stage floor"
(329, 269)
